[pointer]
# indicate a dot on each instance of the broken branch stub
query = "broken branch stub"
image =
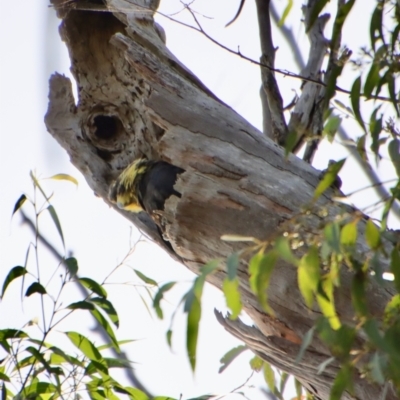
(135, 99)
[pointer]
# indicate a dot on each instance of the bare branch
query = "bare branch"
(266, 114)
(307, 119)
(334, 69)
(335, 66)
(237, 14)
(274, 105)
(281, 71)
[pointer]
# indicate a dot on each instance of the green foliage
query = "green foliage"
(19, 203)
(159, 296)
(331, 126)
(36, 369)
(285, 13)
(35, 287)
(384, 64)
(316, 10)
(377, 77)
(372, 235)
(368, 346)
(260, 269)
(355, 101)
(348, 235)
(394, 153)
(269, 376)
(308, 275)
(232, 296)
(56, 221)
(290, 142)
(230, 356)
(331, 249)
(72, 266)
(93, 286)
(230, 287)
(343, 381)
(282, 246)
(276, 381)
(192, 307)
(395, 266)
(145, 278)
(13, 274)
(329, 178)
(324, 255)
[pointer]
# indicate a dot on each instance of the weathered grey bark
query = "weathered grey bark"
(307, 119)
(135, 98)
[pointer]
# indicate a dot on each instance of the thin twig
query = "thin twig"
(370, 186)
(283, 72)
(380, 190)
(98, 328)
(369, 172)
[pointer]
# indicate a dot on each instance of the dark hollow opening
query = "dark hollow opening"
(106, 126)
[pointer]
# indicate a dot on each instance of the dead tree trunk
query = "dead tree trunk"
(135, 98)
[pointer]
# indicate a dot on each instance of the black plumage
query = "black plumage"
(145, 185)
(157, 185)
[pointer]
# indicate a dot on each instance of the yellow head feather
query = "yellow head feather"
(124, 191)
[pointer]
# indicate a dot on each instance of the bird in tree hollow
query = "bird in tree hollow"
(145, 185)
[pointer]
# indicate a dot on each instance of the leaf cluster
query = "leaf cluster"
(34, 368)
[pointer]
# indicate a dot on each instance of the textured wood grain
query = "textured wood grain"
(135, 99)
